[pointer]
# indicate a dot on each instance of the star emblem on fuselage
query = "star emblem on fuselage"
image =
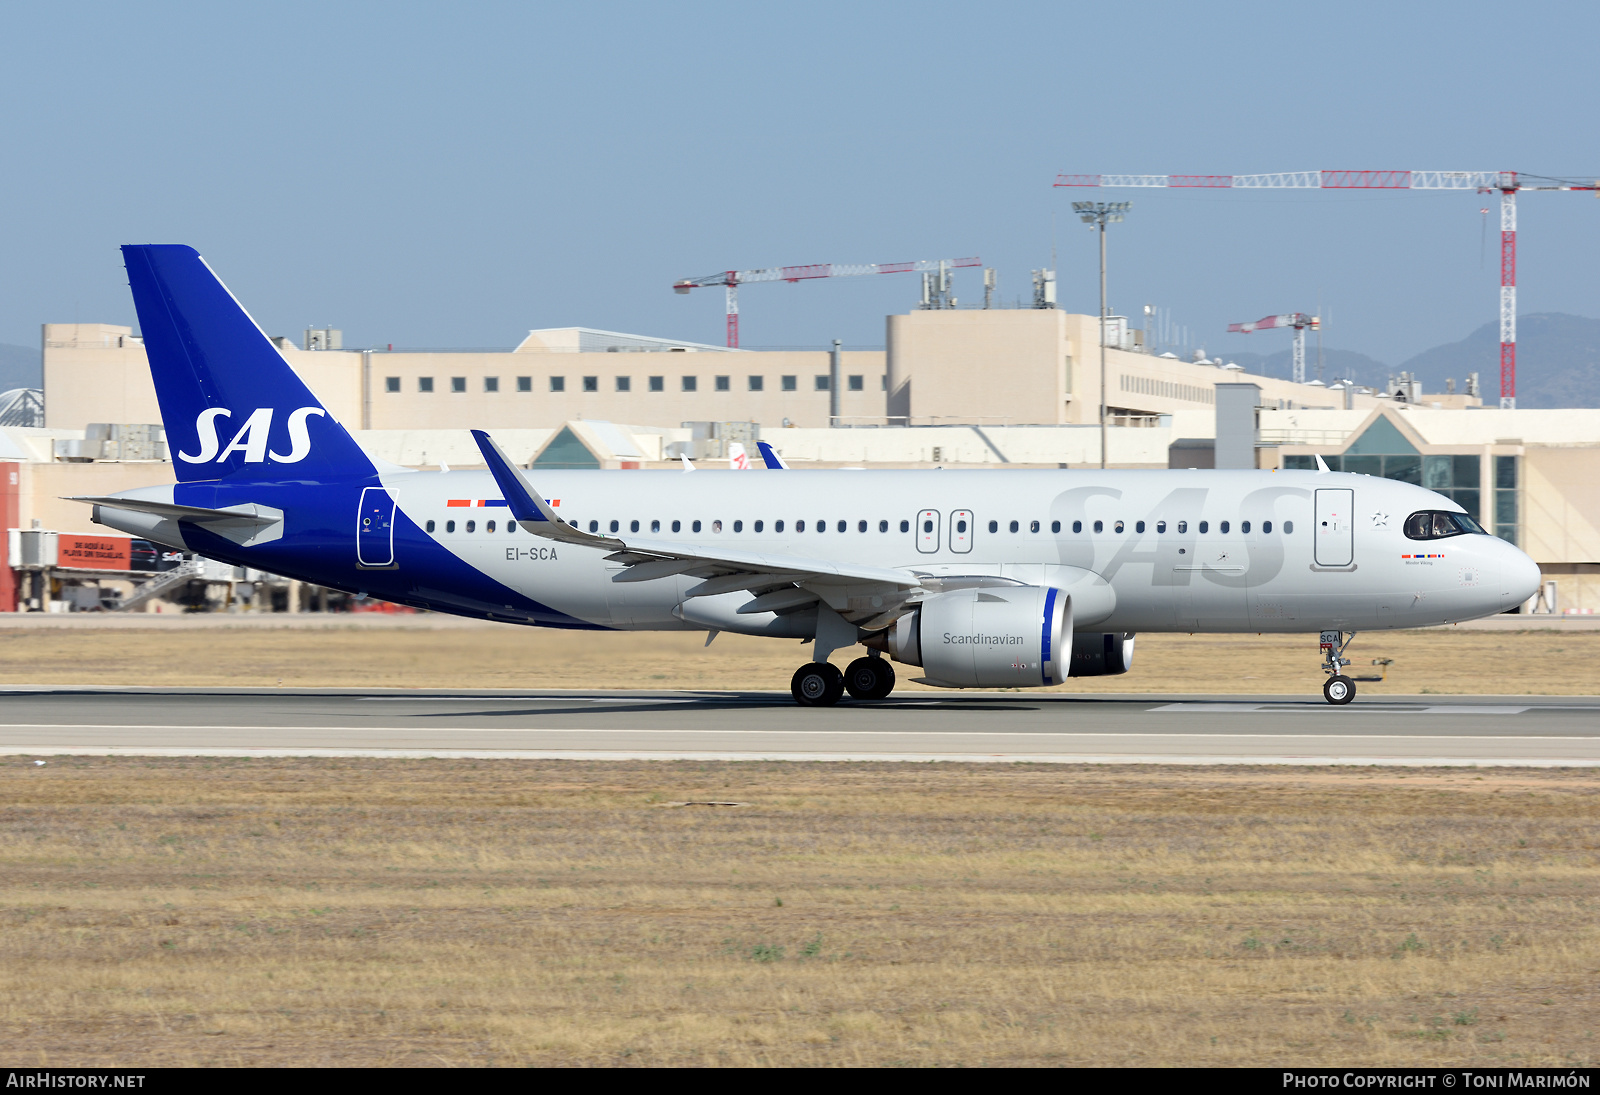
(1380, 520)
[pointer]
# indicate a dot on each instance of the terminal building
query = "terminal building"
(951, 387)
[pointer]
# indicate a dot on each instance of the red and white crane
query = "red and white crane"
(1507, 183)
(1299, 321)
(732, 279)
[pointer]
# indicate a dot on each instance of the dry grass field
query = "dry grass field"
(369, 912)
(1444, 661)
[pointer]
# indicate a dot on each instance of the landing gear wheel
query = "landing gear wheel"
(817, 684)
(1339, 689)
(869, 678)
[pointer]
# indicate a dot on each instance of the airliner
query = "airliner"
(979, 579)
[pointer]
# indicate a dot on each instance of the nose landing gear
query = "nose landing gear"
(1338, 689)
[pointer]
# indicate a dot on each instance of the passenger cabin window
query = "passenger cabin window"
(633, 526)
(1138, 526)
(1118, 526)
(677, 526)
(1288, 527)
(1013, 526)
(594, 526)
(472, 526)
(1099, 526)
(1033, 526)
(777, 526)
(1437, 524)
(614, 526)
(1183, 526)
(1161, 526)
(994, 526)
(1077, 526)
(758, 526)
(449, 526)
(1055, 526)
(1244, 526)
(655, 526)
(1205, 526)
(883, 526)
(695, 527)
(1223, 526)
(488, 526)
(429, 526)
(905, 526)
(799, 526)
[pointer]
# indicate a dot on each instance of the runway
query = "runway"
(915, 726)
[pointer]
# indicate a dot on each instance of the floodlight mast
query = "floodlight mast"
(1098, 215)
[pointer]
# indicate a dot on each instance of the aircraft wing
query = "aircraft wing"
(198, 515)
(776, 581)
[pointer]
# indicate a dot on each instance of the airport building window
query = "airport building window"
(391, 384)
(883, 382)
(591, 384)
(658, 384)
(757, 383)
(524, 383)
(449, 526)
(458, 384)
(822, 382)
(429, 526)
(624, 383)
(905, 526)
(855, 383)
(558, 384)
(690, 383)
(789, 383)
(724, 384)
(491, 384)
(1505, 498)
(424, 383)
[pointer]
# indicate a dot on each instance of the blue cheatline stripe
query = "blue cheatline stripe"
(1044, 642)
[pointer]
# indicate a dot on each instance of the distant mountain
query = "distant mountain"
(20, 367)
(1558, 361)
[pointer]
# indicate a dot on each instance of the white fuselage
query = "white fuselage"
(1185, 550)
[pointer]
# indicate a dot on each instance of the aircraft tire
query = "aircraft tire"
(869, 678)
(1339, 689)
(817, 684)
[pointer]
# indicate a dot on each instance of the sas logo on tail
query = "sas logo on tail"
(251, 439)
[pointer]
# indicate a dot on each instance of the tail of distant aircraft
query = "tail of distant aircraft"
(231, 406)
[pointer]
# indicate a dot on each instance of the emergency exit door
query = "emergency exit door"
(928, 531)
(1335, 527)
(375, 529)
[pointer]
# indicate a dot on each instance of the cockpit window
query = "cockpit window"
(1437, 524)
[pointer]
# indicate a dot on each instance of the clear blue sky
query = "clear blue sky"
(455, 174)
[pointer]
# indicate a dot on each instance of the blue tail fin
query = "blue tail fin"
(231, 405)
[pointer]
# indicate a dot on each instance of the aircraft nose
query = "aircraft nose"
(1518, 574)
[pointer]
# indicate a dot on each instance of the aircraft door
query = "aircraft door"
(375, 529)
(961, 531)
(928, 531)
(1335, 528)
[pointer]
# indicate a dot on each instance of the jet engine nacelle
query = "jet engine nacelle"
(999, 637)
(1101, 653)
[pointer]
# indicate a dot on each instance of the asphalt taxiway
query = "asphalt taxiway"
(912, 726)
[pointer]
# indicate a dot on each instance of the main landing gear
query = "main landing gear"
(819, 684)
(1338, 689)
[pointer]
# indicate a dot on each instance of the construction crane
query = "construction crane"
(935, 290)
(1506, 183)
(1299, 321)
